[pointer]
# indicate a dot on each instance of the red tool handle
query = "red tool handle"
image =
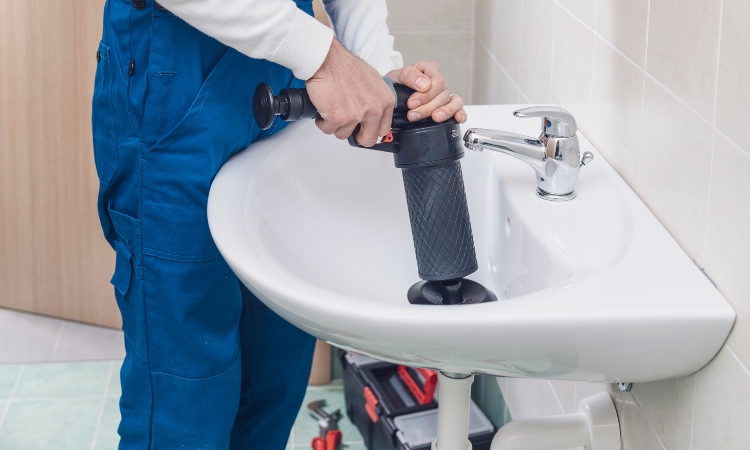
(333, 439)
(318, 443)
(430, 382)
(371, 404)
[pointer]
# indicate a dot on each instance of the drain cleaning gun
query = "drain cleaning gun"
(428, 153)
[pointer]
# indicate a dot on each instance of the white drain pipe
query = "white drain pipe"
(453, 412)
(595, 426)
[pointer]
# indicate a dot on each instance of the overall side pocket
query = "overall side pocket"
(103, 118)
(127, 280)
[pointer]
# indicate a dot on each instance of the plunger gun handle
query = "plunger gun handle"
(294, 104)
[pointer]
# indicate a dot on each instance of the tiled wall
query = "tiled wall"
(662, 89)
(436, 30)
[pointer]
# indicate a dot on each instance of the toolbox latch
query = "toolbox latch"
(371, 404)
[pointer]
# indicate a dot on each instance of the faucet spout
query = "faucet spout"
(527, 149)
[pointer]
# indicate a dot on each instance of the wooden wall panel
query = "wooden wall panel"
(53, 257)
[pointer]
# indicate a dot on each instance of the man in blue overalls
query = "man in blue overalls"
(208, 366)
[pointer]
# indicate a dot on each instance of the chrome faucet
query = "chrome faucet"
(555, 155)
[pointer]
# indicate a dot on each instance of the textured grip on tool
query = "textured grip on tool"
(440, 222)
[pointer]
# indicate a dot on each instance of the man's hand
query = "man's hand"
(432, 97)
(347, 91)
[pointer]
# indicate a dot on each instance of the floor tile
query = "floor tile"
(67, 424)
(107, 437)
(114, 389)
(27, 337)
(290, 442)
(306, 427)
(32, 338)
(82, 342)
(86, 379)
(8, 375)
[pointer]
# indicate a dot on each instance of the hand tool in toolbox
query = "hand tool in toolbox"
(330, 436)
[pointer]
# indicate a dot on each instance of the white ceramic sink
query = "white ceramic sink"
(590, 289)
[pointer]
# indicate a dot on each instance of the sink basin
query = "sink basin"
(592, 289)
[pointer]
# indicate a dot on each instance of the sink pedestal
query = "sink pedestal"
(453, 412)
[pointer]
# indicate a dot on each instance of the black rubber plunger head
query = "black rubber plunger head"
(451, 292)
(291, 104)
(265, 106)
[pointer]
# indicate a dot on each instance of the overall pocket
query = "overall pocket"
(176, 99)
(127, 279)
(103, 118)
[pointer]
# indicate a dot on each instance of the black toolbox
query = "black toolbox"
(389, 413)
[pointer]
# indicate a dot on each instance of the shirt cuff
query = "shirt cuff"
(305, 46)
(383, 63)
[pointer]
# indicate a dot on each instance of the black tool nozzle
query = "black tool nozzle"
(291, 104)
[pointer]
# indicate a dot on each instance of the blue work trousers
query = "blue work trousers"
(208, 366)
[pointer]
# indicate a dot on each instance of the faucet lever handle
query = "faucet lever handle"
(556, 121)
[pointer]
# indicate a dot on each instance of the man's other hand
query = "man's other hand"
(347, 92)
(432, 97)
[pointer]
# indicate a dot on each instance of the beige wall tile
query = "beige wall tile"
(483, 71)
(668, 405)
(727, 247)
(530, 397)
(583, 9)
(571, 72)
(733, 102)
(484, 22)
(504, 89)
(635, 431)
(623, 23)
(429, 15)
(508, 29)
(616, 106)
(682, 49)
(675, 168)
(566, 394)
(536, 49)
(451, 50)
(722, 405)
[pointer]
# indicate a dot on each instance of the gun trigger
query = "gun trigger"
(387, 138)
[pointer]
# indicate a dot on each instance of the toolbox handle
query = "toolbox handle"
(371, 404)
(430, 382)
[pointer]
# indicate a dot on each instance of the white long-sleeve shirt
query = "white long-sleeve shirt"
(278, 31)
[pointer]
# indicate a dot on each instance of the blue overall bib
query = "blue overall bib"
(208, 366)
